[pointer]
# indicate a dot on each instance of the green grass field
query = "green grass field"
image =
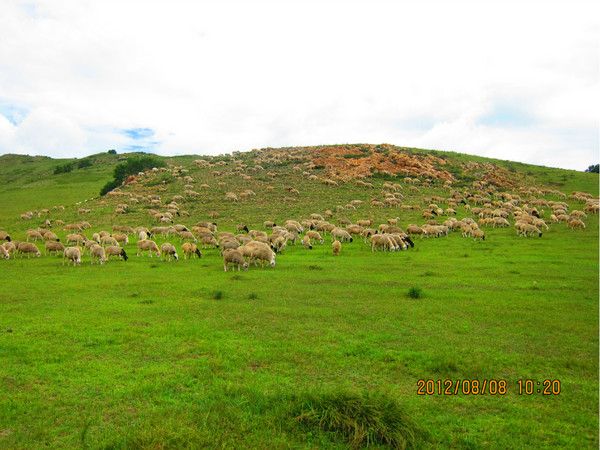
(155, 354)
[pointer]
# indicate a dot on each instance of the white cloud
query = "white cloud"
(211, 77)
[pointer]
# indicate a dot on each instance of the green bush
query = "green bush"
(83, 163)
(65, 168)
(131, 166)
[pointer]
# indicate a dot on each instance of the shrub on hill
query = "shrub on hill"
(593, 169)
(130, 167)
(64, 168)
(83, 163)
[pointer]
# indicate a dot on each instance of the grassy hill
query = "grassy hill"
(152, 354)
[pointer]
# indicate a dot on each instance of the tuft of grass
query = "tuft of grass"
(252, 296)
(415, 292)
(217, 295)
(360, 419)
(314, 267)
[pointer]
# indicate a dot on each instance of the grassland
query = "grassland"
(150, 354)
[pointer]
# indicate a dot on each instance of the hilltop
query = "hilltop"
(272, 172)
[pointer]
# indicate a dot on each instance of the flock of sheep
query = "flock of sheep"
(261, 247)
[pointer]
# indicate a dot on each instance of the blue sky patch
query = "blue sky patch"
(138, 133)
(507, 115)
(13, 113)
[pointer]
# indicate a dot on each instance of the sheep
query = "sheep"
(147, 245)
(97, 252)
(208, 241)
(381, 241)
(169, 251)
(527, 229)
(242, 227)
(354, 229)
(365, 222)
(4, 253)
(234, 257)
(414, 229)
(578, 214)
(115, 250)
(315, 235)
(54, 247)
(142, 235)
(189, 250)
(341, 235)
(4, 236)
(28, 248)
(123, 229)
(576, 223)
(187, 235)
(121, 238)
(34, 235)
(278, 244)
(72, 254)
(10, 246)
(478, 234)
(306, 242)
(269, 224)
(258, 251)
(336, 247)
(76, 238)
(108, 240)
(229, 244)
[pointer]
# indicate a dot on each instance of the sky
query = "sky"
(515, 80)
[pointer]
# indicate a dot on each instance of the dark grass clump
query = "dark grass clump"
(217, 295)
(252, 296)
(360, 420)
(415, 292)
(315, 267)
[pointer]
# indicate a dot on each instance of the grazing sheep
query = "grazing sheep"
(72, 254)
(76, 239)
(527, 229)
(97, 252)
(28, 248)
(10, 247)
(34, 235)
(115, 250)
(478, 234)
(149, 246)
(336, 247)
(187, 235)
(121, 238)
(269, 224)
(169, 251)
(4, 253)
(306, 242)
(414, 229)
(123, 229)
(382, 242)
(315, 235)
(189, 250)
(242, 227)
(4, 236)
(258, 252)
(208, 240)
(234, 257)
(278, 244)
(50, 236)
(576, 223)
(229, 244)
(54, 247)
(341, 235)
(108, 240)
(142, 235)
